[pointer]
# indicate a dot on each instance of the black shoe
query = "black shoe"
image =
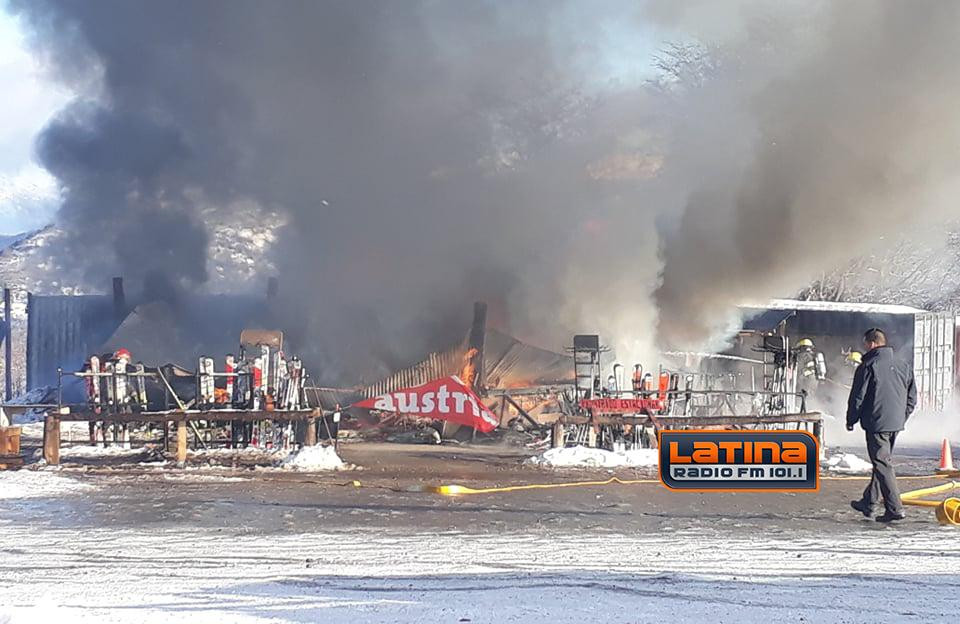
(862, 507)
(890, 517)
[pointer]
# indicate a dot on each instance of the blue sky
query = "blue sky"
(27, 192)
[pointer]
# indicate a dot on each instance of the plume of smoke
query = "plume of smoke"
(853, 140)
(424, 154)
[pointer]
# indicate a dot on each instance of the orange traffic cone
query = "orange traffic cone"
(946, 458)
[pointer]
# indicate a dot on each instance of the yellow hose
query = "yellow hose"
(457, 490)
(460, 490)
(947, 511)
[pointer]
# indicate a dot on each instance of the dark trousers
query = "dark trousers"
(884, 480)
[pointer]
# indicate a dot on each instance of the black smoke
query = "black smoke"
(426, 154)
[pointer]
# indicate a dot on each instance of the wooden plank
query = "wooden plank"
(10, 440)
(51, 440)
(181, 442)
(10, 462)
(522, 412)
(694, 421)
(177, 415)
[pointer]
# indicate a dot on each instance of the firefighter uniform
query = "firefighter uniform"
(809, 366)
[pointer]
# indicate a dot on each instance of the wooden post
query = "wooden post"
(476, 340)
(310, 439)
(181, 443)
(556, 438)
(51, 440)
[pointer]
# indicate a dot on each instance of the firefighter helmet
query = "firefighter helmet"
(805, 342)
(122, 354)
(855, 357)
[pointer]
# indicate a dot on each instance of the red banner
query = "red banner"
(442, 399)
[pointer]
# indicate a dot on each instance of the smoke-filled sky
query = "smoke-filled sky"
(536, 155)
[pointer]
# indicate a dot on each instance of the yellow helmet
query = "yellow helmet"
(805, 342)
(855, 357)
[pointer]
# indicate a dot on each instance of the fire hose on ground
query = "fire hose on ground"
(947, 510)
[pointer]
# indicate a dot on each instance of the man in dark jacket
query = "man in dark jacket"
(881, 400)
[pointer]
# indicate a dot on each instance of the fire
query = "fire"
(468, 373)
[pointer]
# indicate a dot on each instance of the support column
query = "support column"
(310, 438)
(181, 443)
(51, 440)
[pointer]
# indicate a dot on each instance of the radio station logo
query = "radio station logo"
(701, 460)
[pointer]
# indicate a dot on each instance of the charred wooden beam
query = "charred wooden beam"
(476, 340)
(119, 299)
(520, 410)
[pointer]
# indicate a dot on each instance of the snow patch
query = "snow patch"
(38, 484)
(311, 458)
(87, 451)
(70, 431)
(847, 463)
(583, 457)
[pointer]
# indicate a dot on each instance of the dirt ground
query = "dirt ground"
(108, 540)
(388, 490)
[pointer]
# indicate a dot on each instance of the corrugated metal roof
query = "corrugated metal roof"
(766, 320)
(328, 398)
(434, 366)
(62, 331)
(507, 363)
(833, 306)
(510, 363)
(210, 325)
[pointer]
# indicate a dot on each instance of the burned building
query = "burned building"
(926, 339)
(64, 330)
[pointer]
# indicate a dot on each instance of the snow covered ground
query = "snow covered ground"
(282, 550)
(847, 463)
(313, 458)
(25, 484)
(583, 457)
(122, 574)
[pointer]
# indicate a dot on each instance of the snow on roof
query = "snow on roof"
(834, 306)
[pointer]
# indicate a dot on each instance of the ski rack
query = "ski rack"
(610, 417)
(256, 396)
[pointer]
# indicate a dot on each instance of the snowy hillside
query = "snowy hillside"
(236, 256)
(28, 199)
(237, 260)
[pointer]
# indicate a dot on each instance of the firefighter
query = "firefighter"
(854, 359)
(809, 366)
(845, 375)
